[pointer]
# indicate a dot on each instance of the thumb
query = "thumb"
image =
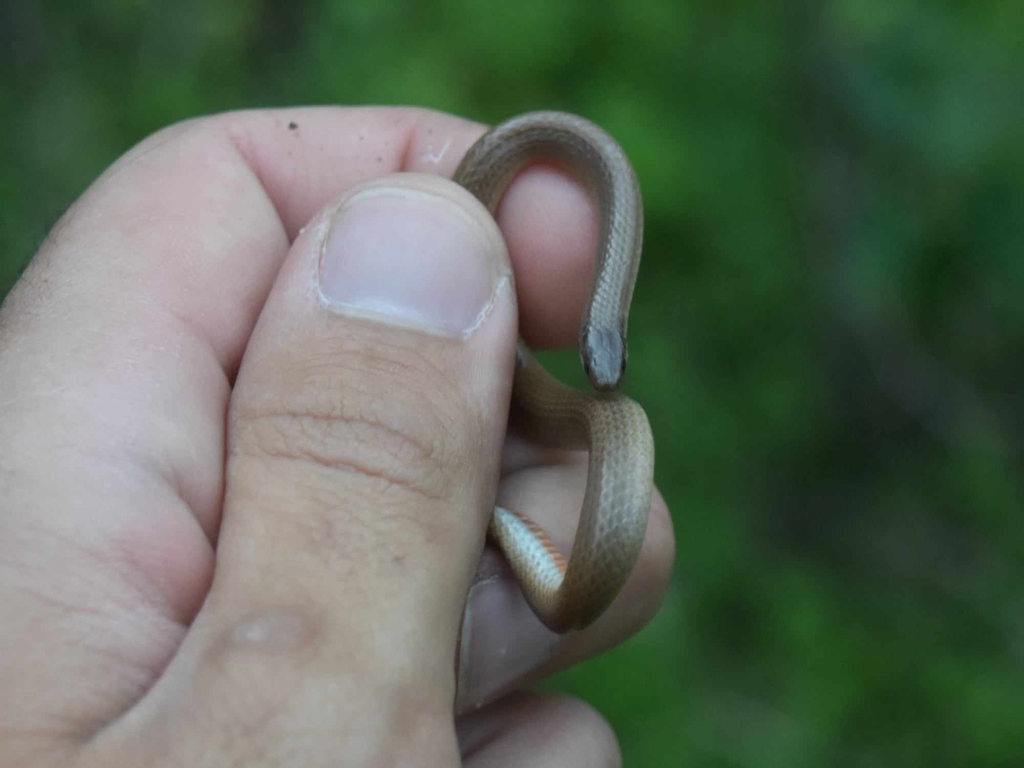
(364, 444)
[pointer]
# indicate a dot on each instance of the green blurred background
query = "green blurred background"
(828, 330)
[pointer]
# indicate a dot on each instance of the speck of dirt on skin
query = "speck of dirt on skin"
(292, 126)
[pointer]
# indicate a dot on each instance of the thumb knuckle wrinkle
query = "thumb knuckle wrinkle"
(403, 441)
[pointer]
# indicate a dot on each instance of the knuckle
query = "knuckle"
(395, 424)
(281, 663)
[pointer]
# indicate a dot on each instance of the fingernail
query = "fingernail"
(413, 251)
(502, 642)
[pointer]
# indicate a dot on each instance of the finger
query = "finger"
(503, 644)
(539, 731)
(548, 219)
(550, 225)
(364, 445)
(118, 349)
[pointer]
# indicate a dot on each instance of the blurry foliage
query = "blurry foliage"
(828, 332)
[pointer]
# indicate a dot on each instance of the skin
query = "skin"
(162, 602)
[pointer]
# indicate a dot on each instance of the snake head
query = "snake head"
(603, 351)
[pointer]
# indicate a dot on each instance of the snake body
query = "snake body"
(571, 594)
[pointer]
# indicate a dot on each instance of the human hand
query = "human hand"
(246, 468)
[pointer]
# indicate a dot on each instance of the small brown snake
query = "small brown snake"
(613, 522)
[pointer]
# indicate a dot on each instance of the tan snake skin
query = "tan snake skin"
(620, 479)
